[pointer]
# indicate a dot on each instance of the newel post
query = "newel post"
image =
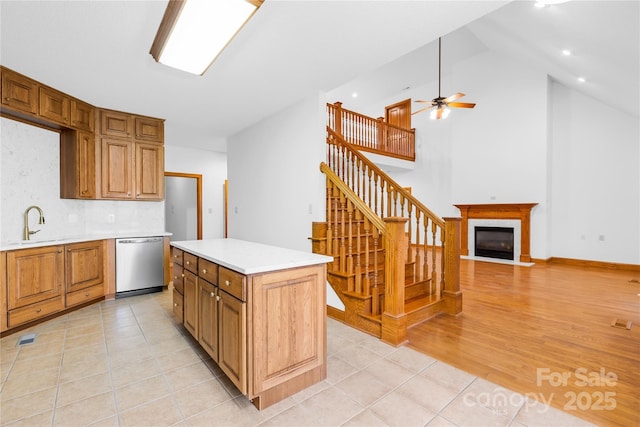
(394, 320)
(338, 117)
(451, 293)
(381, 142)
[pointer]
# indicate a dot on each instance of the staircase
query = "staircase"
(396, 263)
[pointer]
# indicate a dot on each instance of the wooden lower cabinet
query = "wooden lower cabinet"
(190, 303)
(47, 280)
(35, 283)
(267, 331)
(208, 317)
(232, 356)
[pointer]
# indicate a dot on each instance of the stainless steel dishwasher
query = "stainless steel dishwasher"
(139, 266)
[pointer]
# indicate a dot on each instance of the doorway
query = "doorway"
(183, 205)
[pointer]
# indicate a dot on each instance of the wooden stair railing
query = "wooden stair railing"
(421, 250)
(373, 135)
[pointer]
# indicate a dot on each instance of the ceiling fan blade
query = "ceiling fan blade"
(454, 97)
(461, 104)
(424, 102)
(421, 110)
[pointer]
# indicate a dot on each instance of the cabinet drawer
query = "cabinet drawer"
(208, 271)
(190, 262)
(35, 311)
(233, 283)
(84, 295)
(177, 306)
(178, 278)
(176, 256)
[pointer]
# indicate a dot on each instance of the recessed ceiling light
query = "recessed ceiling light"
(354, 95)
(582, 79)
(566, 52)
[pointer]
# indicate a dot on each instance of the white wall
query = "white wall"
(30, 175)
(213, 168)
(500, 147)
(276, 189)
(595, 171)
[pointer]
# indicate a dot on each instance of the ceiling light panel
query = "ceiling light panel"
(202, 30)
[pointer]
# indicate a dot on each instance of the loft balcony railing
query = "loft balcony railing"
(372, 135)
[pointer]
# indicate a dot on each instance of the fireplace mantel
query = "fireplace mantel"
(521, 211)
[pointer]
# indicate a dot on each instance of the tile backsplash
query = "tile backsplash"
(30, 175)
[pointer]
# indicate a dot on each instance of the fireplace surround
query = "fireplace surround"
(520, 213)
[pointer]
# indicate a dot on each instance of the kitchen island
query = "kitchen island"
(259, 311)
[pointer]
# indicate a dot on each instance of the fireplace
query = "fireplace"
(494, 242)
(517, 215)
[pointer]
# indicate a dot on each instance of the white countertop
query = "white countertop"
(249, 257)
(35, 243)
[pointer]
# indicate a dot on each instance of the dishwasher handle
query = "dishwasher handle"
(141, 240)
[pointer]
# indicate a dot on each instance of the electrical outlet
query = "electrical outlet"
(111, 219)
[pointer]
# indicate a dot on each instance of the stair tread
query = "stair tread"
(420, 302)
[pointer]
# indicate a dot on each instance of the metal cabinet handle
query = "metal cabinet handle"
(213, 294)
(188, 263)
(204, 271)
(218, 298)
(227, 282)
(38, 310)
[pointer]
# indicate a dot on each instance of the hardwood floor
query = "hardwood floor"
(545, 331)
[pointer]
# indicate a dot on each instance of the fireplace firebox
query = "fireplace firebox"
(494, 242)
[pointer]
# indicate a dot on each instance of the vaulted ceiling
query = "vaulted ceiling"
(99, 51)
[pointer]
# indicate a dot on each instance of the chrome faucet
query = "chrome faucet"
(27, 232)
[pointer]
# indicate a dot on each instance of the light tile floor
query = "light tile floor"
(127, 363)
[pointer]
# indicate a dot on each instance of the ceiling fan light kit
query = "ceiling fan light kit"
(442, 104)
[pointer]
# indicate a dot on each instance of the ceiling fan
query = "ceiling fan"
(442, 104)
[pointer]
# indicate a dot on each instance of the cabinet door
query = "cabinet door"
(190, 303)
(208, 328)
(34, 275)
(54, 106)
(149, 171)
(19, 92)
(115, 123)
(82, 115)
(232, 347)
(77, 165)
(148, 129)
(84, 265)
(117, 167)
(288, 310)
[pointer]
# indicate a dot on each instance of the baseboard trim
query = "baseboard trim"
(588, 263)
(336, 314)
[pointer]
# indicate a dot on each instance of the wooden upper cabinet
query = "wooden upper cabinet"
(77, 165)
(149, 129)
(117, 167)
(19, 92)
(82, 115)
(149, 171)
(54, 106)
(116, 124)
